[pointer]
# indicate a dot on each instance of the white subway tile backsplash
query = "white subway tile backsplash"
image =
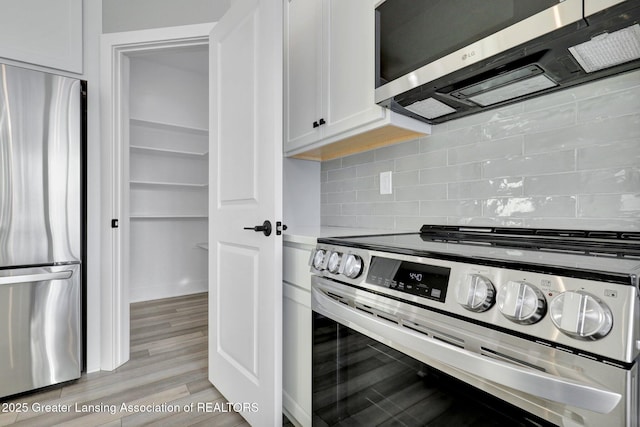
(357, 209)
(487, 116)
(609, 206)
(613, 224)
(612, 105)
(459, 137)
(457, 208)
(421, 192)
(331, 164)
(619, 153)
(341, 174)
(413, 223)
(339, 221)
(374, 169)
(358, 159)
(466, 172)
(486, 188)
(406, 179)
(397, 208)
(494, 149)
(380, 222)
(428, 160)
(344, 197)
(566, 160)
(535, 121)
(487, 222)
(396, 151)
(535, 164)
(523, 207)
(330, 209)
(584, 135)
(618, 180)
(373, 196)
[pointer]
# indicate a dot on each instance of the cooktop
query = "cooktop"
(599, 255)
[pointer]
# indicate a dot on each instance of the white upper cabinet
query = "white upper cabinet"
(42, 32)
(329, 82)
(303, 94)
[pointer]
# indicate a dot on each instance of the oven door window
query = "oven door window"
(358, 381)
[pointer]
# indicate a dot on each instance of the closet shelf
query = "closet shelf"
(143, 149)
(166, 184)
(167, 216)
(168, 126)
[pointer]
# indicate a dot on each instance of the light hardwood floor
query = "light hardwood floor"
(168, 366)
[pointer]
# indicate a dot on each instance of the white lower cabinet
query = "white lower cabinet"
(297, 334)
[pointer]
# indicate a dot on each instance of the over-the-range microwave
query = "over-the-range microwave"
(438, 60)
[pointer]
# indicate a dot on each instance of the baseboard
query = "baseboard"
(298, 416)
(142, 292)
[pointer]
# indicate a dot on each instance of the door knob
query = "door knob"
(265, 228)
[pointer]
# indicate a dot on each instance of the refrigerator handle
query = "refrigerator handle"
(42, 277)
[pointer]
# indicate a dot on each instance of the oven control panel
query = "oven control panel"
(566, 312)
(424, 280)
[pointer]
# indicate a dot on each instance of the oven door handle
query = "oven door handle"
(530, 381)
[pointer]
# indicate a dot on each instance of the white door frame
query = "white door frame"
(115, 49)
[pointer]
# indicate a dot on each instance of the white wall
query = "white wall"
(169, 94)
(128, 15)
(301, 193)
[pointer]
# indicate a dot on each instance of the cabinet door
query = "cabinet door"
(349, 74)
(42, 32)
(303, 50)
(296, 355)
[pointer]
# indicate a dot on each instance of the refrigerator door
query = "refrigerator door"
(40, 175)
(39, 327)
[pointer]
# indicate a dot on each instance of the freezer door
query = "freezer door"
(40, 161)
(40, 336)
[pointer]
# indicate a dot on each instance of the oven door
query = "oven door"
(358, 381)
(376, 360)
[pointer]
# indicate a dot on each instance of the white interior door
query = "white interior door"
(245, 177)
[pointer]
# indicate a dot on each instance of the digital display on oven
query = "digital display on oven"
(427, 281)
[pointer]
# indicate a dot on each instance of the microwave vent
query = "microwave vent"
(430, 108)
(608, 49)
(513, 90)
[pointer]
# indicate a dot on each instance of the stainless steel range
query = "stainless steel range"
(494, 326)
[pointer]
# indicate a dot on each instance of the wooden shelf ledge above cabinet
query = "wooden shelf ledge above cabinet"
(395, 129)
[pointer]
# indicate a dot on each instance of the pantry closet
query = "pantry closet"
(168, 172)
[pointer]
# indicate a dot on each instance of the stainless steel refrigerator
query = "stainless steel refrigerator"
(41, 228)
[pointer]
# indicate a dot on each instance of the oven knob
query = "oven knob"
(318, 259)
(352, 266)
(521, 302)
(334, 262)
(476, 293)
(581, 315)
